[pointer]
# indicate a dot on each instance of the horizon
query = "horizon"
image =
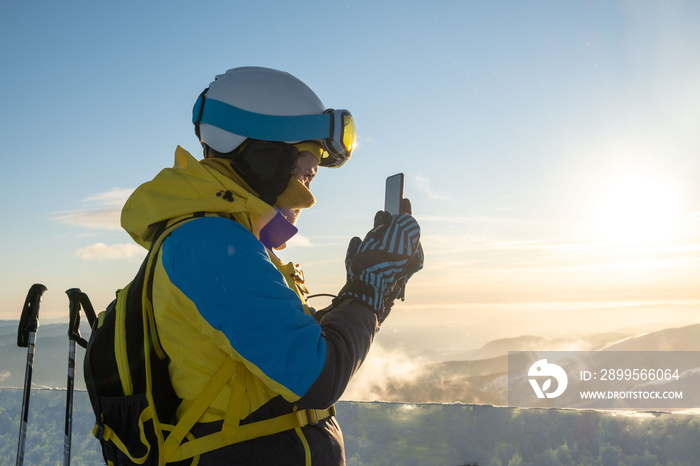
(413, 363)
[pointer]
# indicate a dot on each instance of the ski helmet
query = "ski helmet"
(270, 105)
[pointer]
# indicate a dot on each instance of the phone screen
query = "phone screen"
(394, 194)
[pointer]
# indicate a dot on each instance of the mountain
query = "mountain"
(479, 381)
(484, 379)
(50, 356)
(394, 374)
(671, 339)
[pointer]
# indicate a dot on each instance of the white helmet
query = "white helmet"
(248, 102)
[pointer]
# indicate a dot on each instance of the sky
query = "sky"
(550, 148)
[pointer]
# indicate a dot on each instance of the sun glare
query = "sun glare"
(636, 209)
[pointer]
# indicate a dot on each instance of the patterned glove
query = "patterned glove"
(379, 266)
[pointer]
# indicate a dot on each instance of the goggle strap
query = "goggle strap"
(197, 111)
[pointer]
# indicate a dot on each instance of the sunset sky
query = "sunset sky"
(551, 149)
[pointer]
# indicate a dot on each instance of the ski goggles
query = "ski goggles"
(333, 129)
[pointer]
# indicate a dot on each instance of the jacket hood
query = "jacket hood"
(191, 187)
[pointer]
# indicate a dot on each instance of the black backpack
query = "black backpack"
(126, 373)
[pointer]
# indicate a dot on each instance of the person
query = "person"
(225, 305)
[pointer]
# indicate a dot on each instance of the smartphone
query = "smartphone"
(394, 194)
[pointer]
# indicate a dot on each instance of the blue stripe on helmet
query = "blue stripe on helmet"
(260, 126)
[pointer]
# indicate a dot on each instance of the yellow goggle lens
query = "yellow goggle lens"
(348, 133)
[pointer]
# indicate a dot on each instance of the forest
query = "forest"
(381, 433)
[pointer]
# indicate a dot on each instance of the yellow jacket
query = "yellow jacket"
(220, 297)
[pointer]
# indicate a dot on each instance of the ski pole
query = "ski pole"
(26, 338)
(76, 298)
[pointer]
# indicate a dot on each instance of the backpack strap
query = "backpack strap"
(294, 420)
(198, 407)
(150, 334)
(147, 293)
(231, 431)
(108, 435)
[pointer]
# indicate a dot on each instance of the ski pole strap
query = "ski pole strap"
(74, 317)
(78, 299)
(87, 308)
(29, 320)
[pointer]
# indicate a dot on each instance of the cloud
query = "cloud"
(541, 245)
(114, 197)
(101, 251)
(423, 184)
(101, 219)
(381, 366)
(102, 211)
(299, 241)
(363, 140)
(452, 220)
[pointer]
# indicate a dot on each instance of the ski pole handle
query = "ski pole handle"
(29, 320)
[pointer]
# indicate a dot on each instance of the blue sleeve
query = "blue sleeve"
(226, 272)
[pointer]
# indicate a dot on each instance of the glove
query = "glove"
(379, 266)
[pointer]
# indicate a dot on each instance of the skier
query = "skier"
(220, 294)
